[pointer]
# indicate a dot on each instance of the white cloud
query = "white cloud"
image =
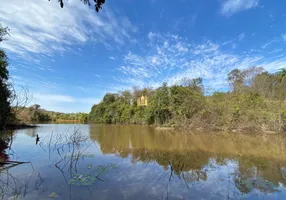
(54, 98)
(284, 36)
(241, 36)
(274, 65)
(194, 18)
(111, 58)
(230, 7)
(170, 58)
(63, 103)
(270, 43)
(136, 72)
(275, 51)
(42, 27)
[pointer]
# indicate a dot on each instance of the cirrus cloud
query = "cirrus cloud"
(42, 27)
(231, 7)
(170, 58)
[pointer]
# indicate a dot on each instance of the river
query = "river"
(73, 161)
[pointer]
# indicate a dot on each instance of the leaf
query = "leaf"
(82, 180)
(53, 195)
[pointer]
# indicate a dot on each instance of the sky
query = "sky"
(69, 58)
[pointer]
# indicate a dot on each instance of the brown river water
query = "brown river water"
(76, 161)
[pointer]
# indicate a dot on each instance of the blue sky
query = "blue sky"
(69, 58)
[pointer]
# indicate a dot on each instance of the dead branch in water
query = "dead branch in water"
(12, 164)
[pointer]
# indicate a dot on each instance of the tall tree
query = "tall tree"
(250, 74)
(5, 93)
(235, 79)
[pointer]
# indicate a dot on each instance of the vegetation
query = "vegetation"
(8, 95)
(97, 3)
(5, 92)
(256, 102)
(57, 116)
(35, 113)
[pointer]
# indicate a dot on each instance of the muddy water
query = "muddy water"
(138, 162)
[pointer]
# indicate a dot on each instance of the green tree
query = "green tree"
(250, 74)
(235, 79)
(5, 93)
(161, 105)
(186, 101)
(82, 117)
(281, 72)
(252, 105)
(271, 86)
(34, 112)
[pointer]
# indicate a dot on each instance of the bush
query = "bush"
(254, 104)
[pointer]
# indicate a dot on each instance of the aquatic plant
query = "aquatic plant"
(90, 177)
(82, 180)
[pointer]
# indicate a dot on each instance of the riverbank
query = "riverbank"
(19, 126)
(224, 112)
(254, 104)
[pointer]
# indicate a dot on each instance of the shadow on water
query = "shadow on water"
(138, 162)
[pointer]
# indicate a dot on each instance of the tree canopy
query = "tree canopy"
(282, 72)
(256, 100)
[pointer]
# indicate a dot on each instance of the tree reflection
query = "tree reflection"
(3, 155)
(258, 161)
(261, 174)
(10, 184)
(65, 151)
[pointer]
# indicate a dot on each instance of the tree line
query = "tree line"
(255, 102)
(36, 114)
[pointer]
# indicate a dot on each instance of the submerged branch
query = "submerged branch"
(12, 164)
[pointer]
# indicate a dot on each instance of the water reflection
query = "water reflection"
(3, 155)
(62, 150)
(259, 161)
(136, 162)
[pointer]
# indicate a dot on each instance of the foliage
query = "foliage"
(97, 3)
(5, 93)
(82, 180)
(271, 86)
(235, 79)
(166, 103)
(53, 195)
(256, 102)
(35, 113)
(90, 177)
(281, 72)
(58, 116)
